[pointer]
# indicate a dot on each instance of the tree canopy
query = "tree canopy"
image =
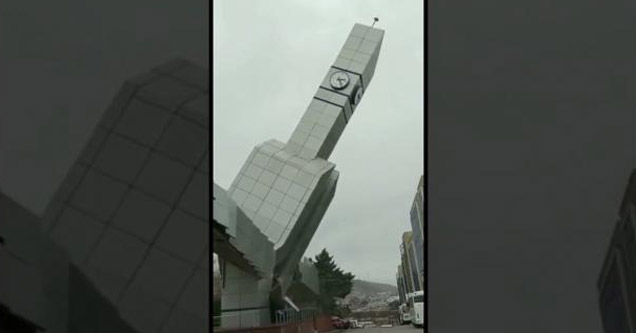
(334, 282)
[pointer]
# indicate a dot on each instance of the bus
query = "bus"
(416, 308)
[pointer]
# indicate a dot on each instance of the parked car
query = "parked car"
(340, 323)
(354, 323)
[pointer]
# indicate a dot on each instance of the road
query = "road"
(394, 329)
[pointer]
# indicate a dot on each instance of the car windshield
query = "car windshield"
(418, 299)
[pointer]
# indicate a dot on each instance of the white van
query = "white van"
(416, 308)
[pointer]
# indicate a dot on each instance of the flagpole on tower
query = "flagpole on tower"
(375, 19)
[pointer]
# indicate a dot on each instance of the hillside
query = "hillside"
(361, 287)
(371, 288)
(368, 296)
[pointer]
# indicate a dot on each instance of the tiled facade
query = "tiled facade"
(246, 259)
(41, 288)
(417, 225)
(410, 271)
(285, 188)
(401, 283)
(410, 275)
(133, 212)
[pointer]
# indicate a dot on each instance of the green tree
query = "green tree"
(334, 282)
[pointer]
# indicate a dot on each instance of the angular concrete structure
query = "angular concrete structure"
(133, 211)
(41, 290)
(285, 188)
(237, 240)
(246, 260)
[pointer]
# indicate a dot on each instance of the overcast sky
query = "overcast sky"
(531, 130)
(269, 59)
(61, 63)
(531, 127)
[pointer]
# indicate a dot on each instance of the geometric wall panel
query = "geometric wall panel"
(138, 197)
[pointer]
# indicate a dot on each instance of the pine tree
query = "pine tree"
(334, 282)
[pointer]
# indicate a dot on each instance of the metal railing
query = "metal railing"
(282, 317)
(292, 316)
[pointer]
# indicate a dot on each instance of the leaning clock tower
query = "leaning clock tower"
(285, 188)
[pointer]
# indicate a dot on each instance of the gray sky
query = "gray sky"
(61, 64)
(531, 123)
(269, 59)
(531, 118)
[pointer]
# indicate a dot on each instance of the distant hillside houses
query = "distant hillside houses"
(370, 296)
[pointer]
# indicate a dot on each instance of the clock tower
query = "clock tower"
(338, 95)
(286, 188)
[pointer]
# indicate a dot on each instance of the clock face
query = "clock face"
(339, 80)
(357, 95)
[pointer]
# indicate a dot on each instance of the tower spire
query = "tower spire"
(338, 95)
